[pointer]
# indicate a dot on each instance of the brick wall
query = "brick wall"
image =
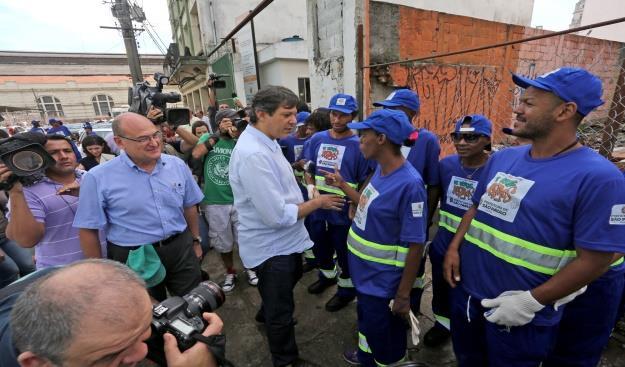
(477, 82)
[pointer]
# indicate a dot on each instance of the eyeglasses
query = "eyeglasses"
(469, 138)
(144, 139)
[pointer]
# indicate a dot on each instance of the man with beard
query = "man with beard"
(41, 215)
(547, 219)
(334, 150)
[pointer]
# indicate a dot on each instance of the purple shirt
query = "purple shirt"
(60, 244)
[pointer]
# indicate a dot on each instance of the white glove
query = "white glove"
(312, 191)
(512, 308)
(569, 298)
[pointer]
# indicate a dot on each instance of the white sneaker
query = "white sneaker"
(252, 279)
(228, 284)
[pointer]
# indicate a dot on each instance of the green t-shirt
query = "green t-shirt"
(217, 188)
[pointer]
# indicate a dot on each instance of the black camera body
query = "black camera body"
(142, 97)
(182, 316)
(217, 82)
(26, 157)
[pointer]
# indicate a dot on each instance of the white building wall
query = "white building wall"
(504, 11)
(596, 11)
(284, 73)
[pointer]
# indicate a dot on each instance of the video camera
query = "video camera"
(26, 157)
(182, 317)
(217, 82)
(142, 97)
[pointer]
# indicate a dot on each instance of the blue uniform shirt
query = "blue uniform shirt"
(133, 206)
(539, 211)
(325, 152)
(392, 211)
(423, 156)
(457, 191)
(294, 147)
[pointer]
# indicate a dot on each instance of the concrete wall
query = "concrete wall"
(505, 11)
(284, 73)
(596, 11)
(477, 82)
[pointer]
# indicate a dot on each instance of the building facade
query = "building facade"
(73, 86)
(198, 26)
(595, 11)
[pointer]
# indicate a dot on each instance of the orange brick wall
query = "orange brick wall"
(478, 82)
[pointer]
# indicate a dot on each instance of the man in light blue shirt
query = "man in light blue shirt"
(271, 211)
(143, 198)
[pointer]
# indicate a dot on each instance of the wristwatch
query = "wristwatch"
(197, 239)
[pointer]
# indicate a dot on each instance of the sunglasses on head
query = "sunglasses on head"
(469, 138)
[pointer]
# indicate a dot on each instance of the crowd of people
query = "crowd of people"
(527, 266)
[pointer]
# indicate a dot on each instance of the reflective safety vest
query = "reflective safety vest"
(393, 255)
(320, 183)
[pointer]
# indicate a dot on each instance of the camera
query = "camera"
(217, 82)
(182, 316)
(26, 157)
(142, 97)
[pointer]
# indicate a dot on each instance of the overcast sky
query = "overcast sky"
(74, 25)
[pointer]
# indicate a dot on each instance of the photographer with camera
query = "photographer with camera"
(41, 215)
(90, 313)
(146, 201)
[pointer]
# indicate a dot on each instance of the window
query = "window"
(102, 104)
(303, 86)
(50, 105)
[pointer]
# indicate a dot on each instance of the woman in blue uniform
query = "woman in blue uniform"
(385, 240)
(459, 176)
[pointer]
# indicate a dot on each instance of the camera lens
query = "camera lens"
(27, 161)
(206, 297)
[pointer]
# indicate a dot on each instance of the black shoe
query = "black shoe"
(337, 302)
(260, 318)
(436, 336)
(308, 267)
(320, 285)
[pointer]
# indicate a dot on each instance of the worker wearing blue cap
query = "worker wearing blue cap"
(36, 127)
(334, 149)
(459, 174)
(423, 156)
(58, 129)
(386, 239)
(547, 219)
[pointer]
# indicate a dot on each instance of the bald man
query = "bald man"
(146, 203)
(62, 319)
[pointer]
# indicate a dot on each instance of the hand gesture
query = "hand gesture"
(451, 267)
(331, 202)
(401, 306)
(5, 173)
(198, 355)
(154, 113)
(72, 189)
(333, 179)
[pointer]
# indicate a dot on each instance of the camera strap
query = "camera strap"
(217, 346)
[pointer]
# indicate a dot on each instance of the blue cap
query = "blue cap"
(343, 103)
(479, 125)
(394, 124)
(401, 97)
(53, 120)
(570, 84)
(301, 118)
(35, 122)
(86, 125)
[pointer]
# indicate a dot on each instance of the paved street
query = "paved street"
(321, 336)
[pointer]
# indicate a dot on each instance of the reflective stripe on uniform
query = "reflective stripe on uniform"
(362, 343)
(329, 274)
(442, 320)
(617, 262)
(448, 221)
(320, 183)
(308, 254)
(393, 255)
(517, 251)
(344, 283)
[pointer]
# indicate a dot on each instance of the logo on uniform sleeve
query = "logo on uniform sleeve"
(341, 101)
(503, 196)
(617, 217)
(417, 209)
